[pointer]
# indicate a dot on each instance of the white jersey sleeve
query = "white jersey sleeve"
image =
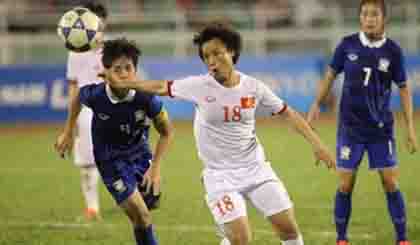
(74, 66)
(269, 100)
(85, 67)
(188, 88)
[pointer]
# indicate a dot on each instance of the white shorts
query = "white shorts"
(227, 192)
(83, 147)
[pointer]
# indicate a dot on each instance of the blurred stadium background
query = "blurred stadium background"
(287, 43)
(164, 27)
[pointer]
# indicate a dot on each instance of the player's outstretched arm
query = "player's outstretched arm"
(64, 142)
(324, 87)
(322, 153)
(157, 87)
(407, 104)
(165, 130)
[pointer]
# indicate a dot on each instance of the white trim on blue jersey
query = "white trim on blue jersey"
(115, 100)
(367, 43)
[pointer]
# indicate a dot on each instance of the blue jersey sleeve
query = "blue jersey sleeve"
(399, 75)
(86, 95)
(154, 106)
(337, 62)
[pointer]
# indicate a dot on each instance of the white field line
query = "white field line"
(185, 228)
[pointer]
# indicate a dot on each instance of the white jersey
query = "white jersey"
(84, 68)
(224, 124)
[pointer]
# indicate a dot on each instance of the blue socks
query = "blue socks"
(145, 236)
(342, 213)
(396, 209)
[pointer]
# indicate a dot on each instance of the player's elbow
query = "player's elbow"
(405, 91)
(290, 114)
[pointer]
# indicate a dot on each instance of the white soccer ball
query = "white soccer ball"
(80, 29)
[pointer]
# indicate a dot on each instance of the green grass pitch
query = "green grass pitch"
(41, 200)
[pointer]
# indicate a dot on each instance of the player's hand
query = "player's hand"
(313, 114)
(151, 180)
(64, 144)
(412, 144)
(323, 154)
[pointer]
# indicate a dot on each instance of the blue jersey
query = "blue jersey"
(369, 71)
(120, 128)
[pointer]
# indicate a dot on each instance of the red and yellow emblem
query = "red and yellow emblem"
(247, 102)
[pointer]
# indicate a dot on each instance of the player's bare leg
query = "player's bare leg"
(238, 231)
(89, 185)
(389, 178)
(285, 226)
(141, 219)
(347, 180)
(395, 201)
(343, 203)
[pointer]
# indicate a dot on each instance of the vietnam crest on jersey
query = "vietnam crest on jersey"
(247, 102)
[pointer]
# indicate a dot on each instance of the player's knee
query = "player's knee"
(346, 186)
(139, 217)
(89, 173)
(240, 238)
(289, 233)
(142, 218)
(84, 173)
(390, 184)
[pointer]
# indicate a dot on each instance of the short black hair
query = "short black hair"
(117, 48)
(231, 38)
(97, 8)
(380, 3)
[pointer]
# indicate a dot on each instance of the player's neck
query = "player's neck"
(120, 93)
(232, 80)
(375, 37)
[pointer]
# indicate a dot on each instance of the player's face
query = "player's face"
(218, 58)
(372, 21)
(122, 69)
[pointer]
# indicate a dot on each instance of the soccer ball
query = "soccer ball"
(80, 29)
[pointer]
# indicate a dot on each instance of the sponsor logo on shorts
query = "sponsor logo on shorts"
(345, 153)
(119, 186)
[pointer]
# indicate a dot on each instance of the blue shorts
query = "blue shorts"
(121, 176)
(382, 154)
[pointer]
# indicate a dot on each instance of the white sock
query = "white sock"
(89, 184)
(225, 241)
(298, 241)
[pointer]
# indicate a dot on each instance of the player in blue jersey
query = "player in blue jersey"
(371, 62)
(120, 136)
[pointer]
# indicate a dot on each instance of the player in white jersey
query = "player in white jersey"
(83, 69)
(235, 167)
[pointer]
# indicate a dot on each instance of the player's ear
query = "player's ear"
(231, 53)
(386, 19)
(106, 73)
